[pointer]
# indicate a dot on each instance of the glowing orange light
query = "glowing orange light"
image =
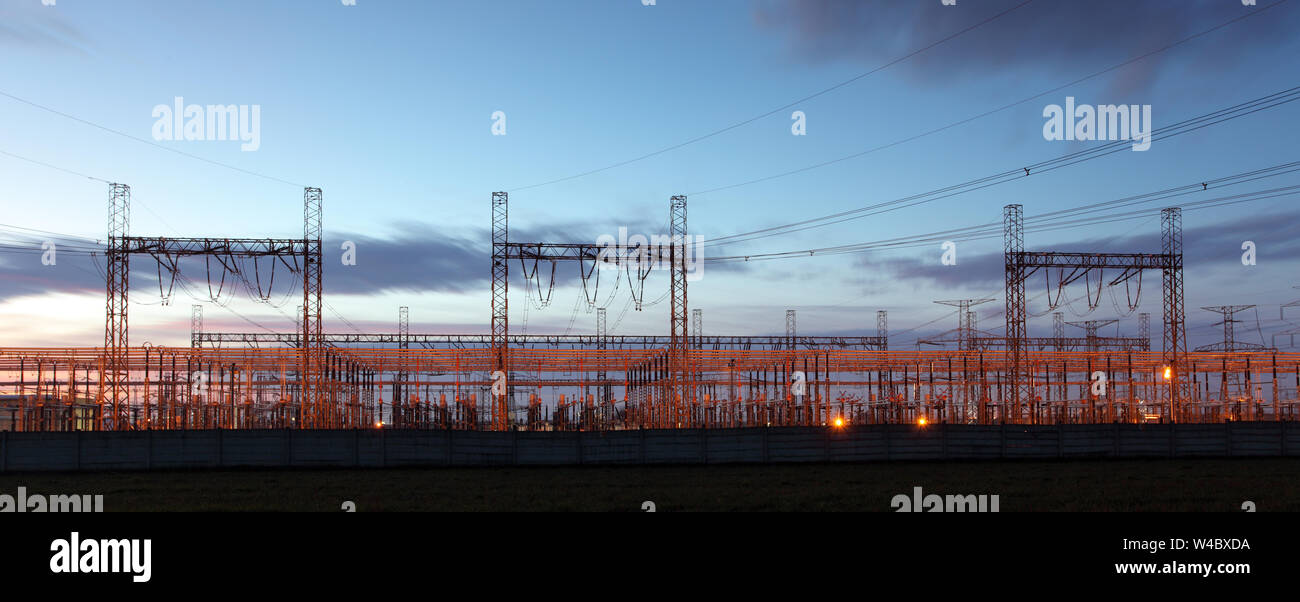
(922, 421)
(379, 424)
(1169, 373)
(839, 422)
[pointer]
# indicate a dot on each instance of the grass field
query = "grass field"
(1129, 485)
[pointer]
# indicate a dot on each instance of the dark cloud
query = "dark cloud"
(1045, 37)
(23, 274)
(414, 258)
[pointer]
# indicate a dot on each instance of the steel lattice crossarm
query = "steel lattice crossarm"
(658, 251)
(576, 341)
(611, 254)
(1234, 346)
(1128, 263)
(1019, 264)
(307, 260)
(217, 247)
(1068, 343)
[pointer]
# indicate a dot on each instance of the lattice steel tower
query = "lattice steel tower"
(115, 332)
(196, 325)
(500, 304)
(882, 328)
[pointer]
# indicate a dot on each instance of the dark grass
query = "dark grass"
(1122, 485)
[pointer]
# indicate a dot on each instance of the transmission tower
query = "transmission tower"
(196, 325)
(115, 333)
(882, 328)
(404, 327)
(790, 333)
(679, 385)
(1058, 329)
(965, 328)
(1090, 328)
(500, 295)
(602, 336)
(697, 325)
(313, 360)
(1230, 343)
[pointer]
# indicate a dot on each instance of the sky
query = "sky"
(592, 114)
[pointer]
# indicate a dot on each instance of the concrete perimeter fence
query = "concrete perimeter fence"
(166, 450)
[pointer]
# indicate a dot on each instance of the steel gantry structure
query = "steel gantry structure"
(305, 254)
(309, 379)
(1020, 264)
(543, 341)
(674, 384)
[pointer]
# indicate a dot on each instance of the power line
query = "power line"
(1066, 160)
(140, 140)
(1056, 220)
(987, 113)
(44, 164)
(778, 109)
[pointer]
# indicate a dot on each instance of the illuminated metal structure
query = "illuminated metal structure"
(168, 252)
(267, 380)
(1020, 264)
(217, 340)
(1090, 328)
(674, 378)
(187, 388)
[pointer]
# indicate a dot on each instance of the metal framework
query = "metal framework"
(186, 388)
(167, 252)
(679, 389)
(1019, 265)
(882, 328)
(966, 330)
(308, 379)
(675, 382)
(501, 297)
(1090, 328)
(545, 341)
(790, 333)
(1230, 342)
(196, 324)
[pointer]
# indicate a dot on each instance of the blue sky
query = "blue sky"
(387, 107)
